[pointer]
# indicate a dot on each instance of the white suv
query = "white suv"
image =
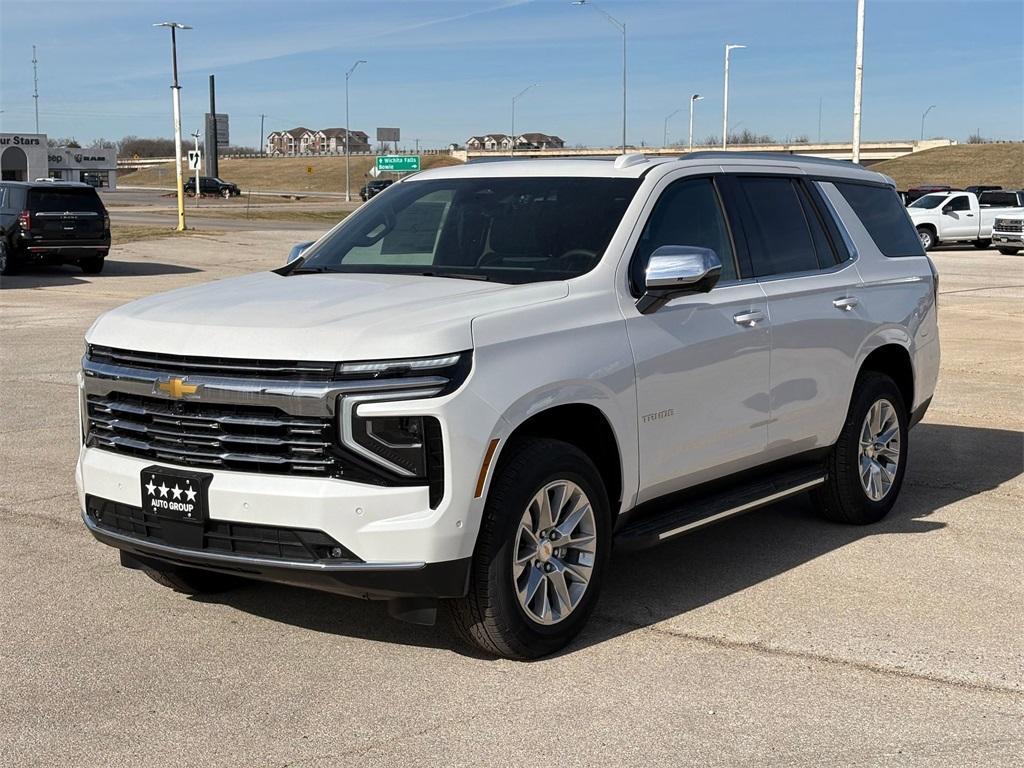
(486, 376)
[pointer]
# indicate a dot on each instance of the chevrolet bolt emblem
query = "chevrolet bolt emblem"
(177, 388)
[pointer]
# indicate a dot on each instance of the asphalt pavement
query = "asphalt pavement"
(773, 639)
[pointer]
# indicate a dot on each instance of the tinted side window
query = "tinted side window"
(959, 203)
(687, 213)
(884, 218)
(781, 237)
(996, 199)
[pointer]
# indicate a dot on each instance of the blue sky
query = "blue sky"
(442, 70)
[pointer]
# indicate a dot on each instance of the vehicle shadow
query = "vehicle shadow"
(47, 276)
(644, 588)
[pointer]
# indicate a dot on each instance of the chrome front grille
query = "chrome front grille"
(1008, 225)
(180, 365)
(239, 437)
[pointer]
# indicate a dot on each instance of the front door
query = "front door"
(701, 360)
(959, 222)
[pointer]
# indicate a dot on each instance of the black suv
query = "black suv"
(211, 185)
(374, 187)
(49, 222)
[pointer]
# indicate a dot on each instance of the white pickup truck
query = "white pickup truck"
(954, 217)
(1008, 233)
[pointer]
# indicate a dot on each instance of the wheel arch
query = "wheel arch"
(589, 429)
(894, 360)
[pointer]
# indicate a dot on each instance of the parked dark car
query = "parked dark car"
(211, 185)
(374, 187)
(92, 179)
(923, 189)
(1002, 198)
(49, 222)
(979, 188)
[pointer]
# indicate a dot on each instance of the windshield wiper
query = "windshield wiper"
(312, 270)
(457, 275)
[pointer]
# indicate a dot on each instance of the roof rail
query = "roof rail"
(721, 154)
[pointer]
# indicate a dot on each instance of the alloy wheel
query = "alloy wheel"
(555, 551)
(879, 454)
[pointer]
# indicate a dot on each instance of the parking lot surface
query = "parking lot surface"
(771, 639)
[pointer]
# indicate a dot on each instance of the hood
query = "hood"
(314, 316)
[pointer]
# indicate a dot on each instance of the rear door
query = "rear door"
(65, 215)
(808, 274)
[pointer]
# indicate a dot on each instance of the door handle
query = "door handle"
(847, 303)
(749, 319)
(970, 215)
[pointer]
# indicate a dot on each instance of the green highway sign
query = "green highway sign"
(398, 163)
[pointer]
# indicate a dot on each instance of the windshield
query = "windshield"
(510, 230)
(929, 201)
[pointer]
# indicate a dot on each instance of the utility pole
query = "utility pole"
(176, 105)
(693, 99)
(514, 99)
(35, 85)
(725, 100)
(348, 153)
(858, 77)
(261, 134)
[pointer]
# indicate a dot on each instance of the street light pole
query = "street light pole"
(176, 104)
(858, 78)
(622, 28)
(922, 119)
(514, 99)
(348, 153)
(725, 100)
(664, 138)
(695, 98)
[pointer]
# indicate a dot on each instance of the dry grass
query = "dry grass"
(120, 234)
(959, 166)
(283, 173)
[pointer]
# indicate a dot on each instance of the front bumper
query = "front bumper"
(1015, 239)
(376, 581)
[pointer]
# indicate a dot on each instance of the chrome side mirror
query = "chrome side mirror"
(676, 270)
(297, 250)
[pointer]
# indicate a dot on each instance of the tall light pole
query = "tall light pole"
(725, 100)
(664, 138)
(514, 100)
(695, 98)
(922, 119)
(176, 103)
(35, 85)
(622, 28)
(348, 153)
(858, 77)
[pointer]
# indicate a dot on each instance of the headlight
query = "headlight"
(407, 447)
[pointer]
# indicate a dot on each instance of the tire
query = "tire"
(1009, 251)
(188, 581)
(843, 498)
(493, 616)
(8, 265)
(982, 244)
(91, 265)
(927, 237)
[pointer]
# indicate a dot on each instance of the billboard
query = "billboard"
(388, 134)
(222, 128)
